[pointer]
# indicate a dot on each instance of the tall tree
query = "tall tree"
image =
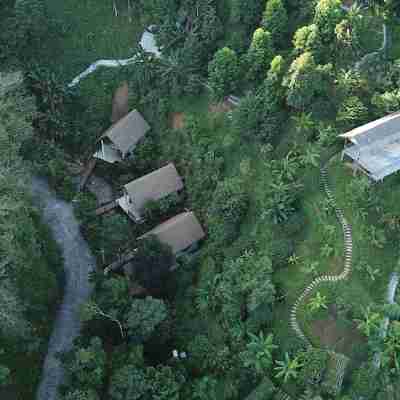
(259, 56)
(275, 20)
(328, 13)
(223, 73)
(258, 354)
(287, 368)
(246, 13)
(144, 316)
(152, 262)
(306, 80)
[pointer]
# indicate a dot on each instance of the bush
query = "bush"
(352, 112)
(314, 365)
(364, 382)
(294, 224)
(281, 250)
(230, 200)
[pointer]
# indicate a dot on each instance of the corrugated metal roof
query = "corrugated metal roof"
(378, 127)
(154, 186)
(127, 132)
(179, 232)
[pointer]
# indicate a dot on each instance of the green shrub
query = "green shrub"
(281, 250)
(314, 365)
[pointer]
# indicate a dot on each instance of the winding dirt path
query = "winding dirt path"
(78, 263)
(348, 252)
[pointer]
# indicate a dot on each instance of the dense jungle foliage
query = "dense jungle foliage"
(305, 71)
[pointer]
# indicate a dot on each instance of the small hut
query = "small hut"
(122, 137)
(151, 187)
(374, 148)
(181, 233)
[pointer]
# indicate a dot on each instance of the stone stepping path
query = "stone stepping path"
(348, 252)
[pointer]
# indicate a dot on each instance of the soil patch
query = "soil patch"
(177, 120)
(347, 3)
(221, 107)
(120, 103)
(335, 336)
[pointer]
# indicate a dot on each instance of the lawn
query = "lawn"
(90, 31)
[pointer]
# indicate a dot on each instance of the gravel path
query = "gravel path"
(78, 262)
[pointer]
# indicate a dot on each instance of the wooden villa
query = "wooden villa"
(151, 187)
(374, 148)
(181, 233)
(121, 138)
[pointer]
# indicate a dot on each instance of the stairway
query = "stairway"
(348, 251)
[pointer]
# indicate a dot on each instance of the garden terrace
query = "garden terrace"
(375, 147)
(122, 137)
(151, 187)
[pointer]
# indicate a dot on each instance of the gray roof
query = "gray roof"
(179, 232)
(376, 146)
(154, 186)
(374, 130)
(127, 132)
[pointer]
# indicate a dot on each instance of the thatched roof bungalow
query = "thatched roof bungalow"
(180, 232)
(122, 137)
(151, 187)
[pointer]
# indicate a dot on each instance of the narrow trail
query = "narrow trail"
(78, 263)
(348, 251)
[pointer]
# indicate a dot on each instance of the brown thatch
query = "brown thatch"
(153, 186)
(127, 132)
(179, 232)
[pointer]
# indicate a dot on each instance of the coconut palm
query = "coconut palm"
(370, 322)
(287, 368)
(259, 352)
(317, 303)
(311, 157)
(304, 123)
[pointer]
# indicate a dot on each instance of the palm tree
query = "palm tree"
(317, 303)
(259, 352)
(287, 368)
(311, 157)
(289, 166)
(304, 123)
(370, 322)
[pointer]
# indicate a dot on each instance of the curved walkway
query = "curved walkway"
(348, 245)
(78, 263)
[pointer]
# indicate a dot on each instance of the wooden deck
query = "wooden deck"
(106, 208)
(122, 260)
(87, 172)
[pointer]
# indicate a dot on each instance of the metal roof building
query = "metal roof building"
(375, 147)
